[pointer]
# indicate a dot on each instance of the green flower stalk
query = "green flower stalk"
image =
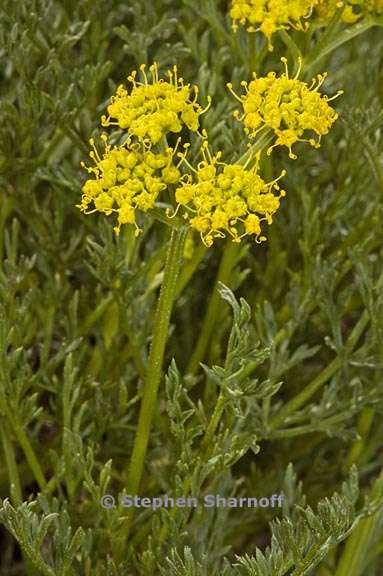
(153, 375)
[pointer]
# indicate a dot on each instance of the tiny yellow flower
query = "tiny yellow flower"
(289, 107)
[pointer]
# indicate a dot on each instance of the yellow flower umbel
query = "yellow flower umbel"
(127, 178)
(287, 106)
(351, 10)
(131, 176)
(327, 8)
(153, 109)
(268, 16)
(227, 199)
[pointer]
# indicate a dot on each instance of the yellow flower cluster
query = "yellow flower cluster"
(326, 9)
(131, 176)
(223, 199)
(373, 6)
(268, 16)
(153, 109)
(287, 106)
(217, 199)
(352, 11)
(128, 177)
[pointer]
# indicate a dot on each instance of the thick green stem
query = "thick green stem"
(225, 270)
(153, 376)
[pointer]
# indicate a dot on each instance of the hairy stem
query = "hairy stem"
(153, 376)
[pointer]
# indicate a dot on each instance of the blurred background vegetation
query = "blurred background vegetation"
(296, 343)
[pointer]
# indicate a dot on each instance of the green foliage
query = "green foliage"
(287, 397)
